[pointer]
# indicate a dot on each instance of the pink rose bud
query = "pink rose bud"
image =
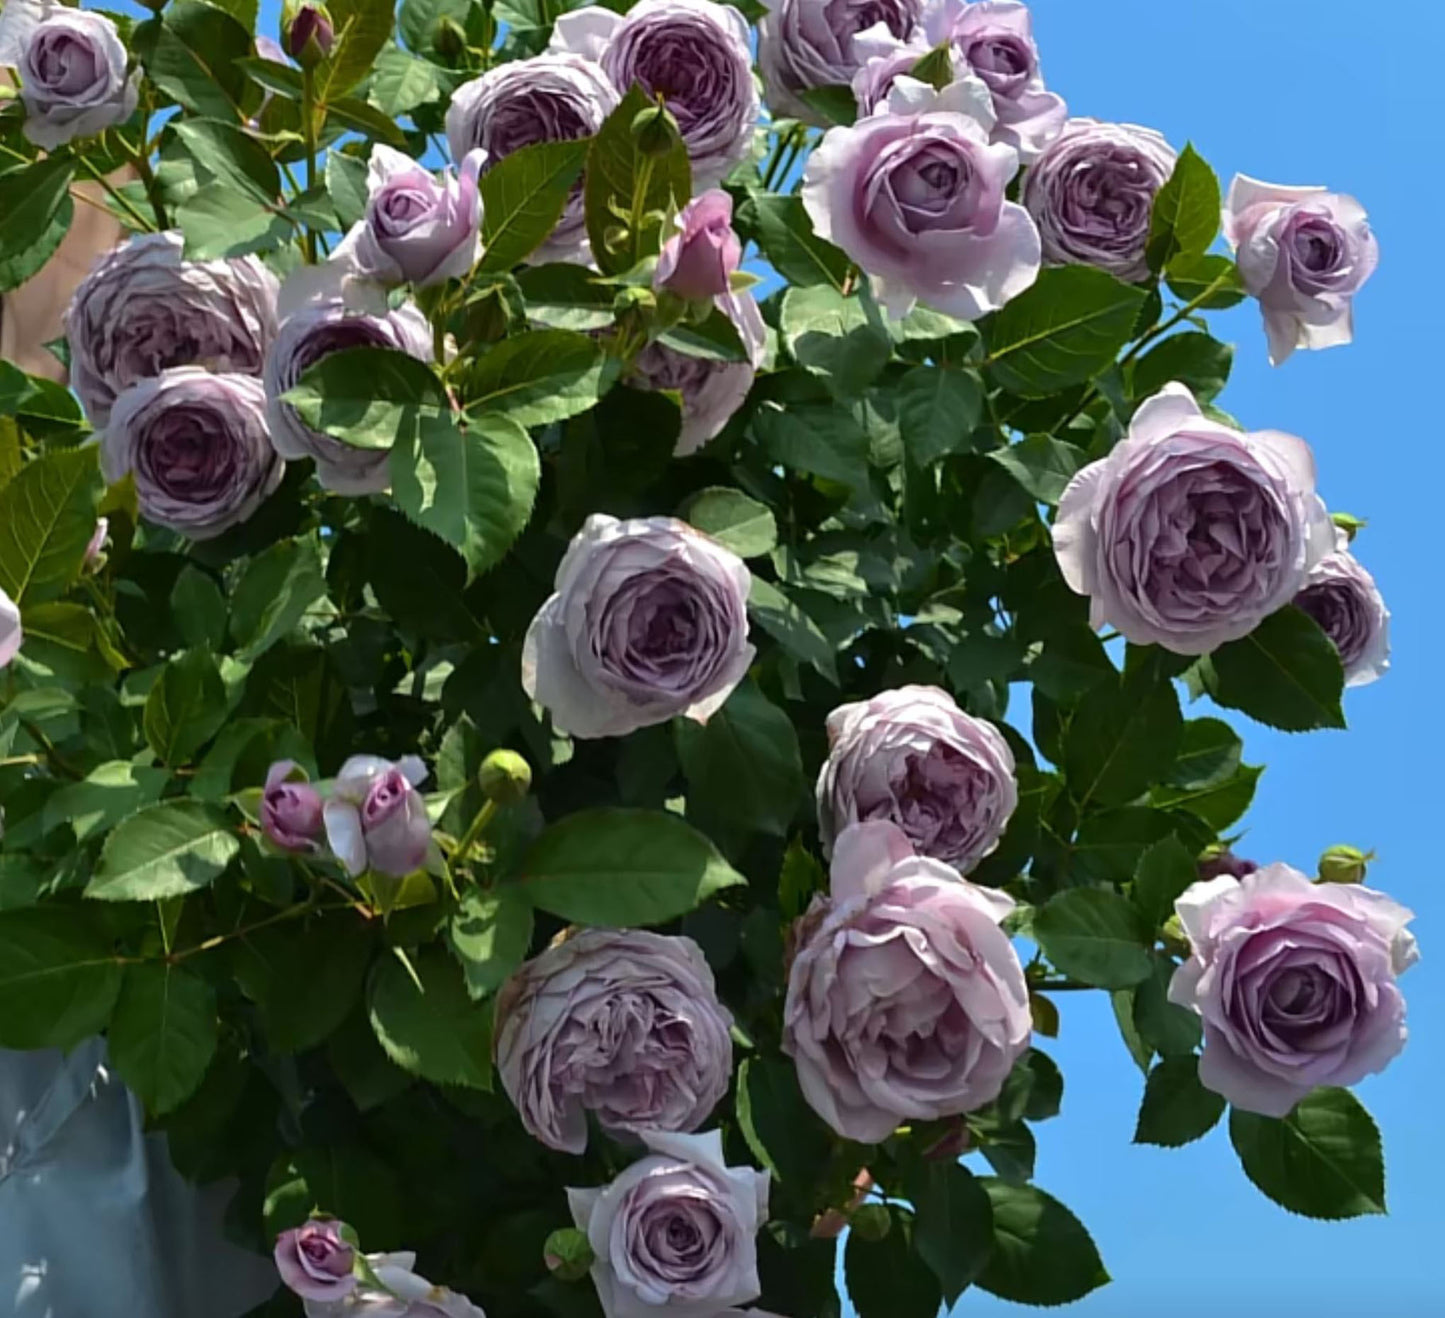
(290, 808)
(699, 260)
(93, 557)
(375, 818)
(315, 1260)
(309, 36)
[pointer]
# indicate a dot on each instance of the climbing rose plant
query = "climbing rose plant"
(574, 703)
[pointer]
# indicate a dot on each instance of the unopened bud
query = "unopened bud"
(505, 777)
(1344, 864)
(1173, 936)
(567, 1254)
(655, 131)
(1222, 861)
(448, 37)
(1349, 524)
(307, 34)
(871, 1221)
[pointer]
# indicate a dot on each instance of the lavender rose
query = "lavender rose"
(693, 53)
(675, 1232)
(1092, 192)
(375, 818)
(649, 620)
(315, 1260)
(291, 808)
(711, 390)
(1343, 598)
(143, 309)
(906, 1000)
(699, 260)
(556, 97)
(882, 61)
(623, 1023)
(995, 40)
(198, 447)
(401, 1293)
(72, 68)
(1304, 253)
(11, 635)
(912, 757)
(806, 44)
(916, 196)
(1191, 533)
(1295, 982)
(416, 230)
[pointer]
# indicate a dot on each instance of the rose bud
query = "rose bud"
(375, 818)
(291, 808)
(315, 1260)
(505, 777)
(1345, 864)
(698, 261)
(568, 1254)
(308, 34)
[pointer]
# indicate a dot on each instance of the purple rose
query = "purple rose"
(72, 68)
(695, 54)
(1295, 982)
(291, 808)
(906, 1000)
(198, 447)
(806, 44)
(313, 330)
(912, 757)
(1304, 253)
(143, 309)
(995, 40)
(1191, 533)
(401, 1293)
(700, 259)
(375, 818)
(316, 1261)
(676, 1232)
(711, 390)
(916, 196)
(11, 636)
(623, 1023)
(882, 61)
(1343, 598)
(556, 97)
(1092, 193)
(416, 230)
(649, 621)
(309, 35)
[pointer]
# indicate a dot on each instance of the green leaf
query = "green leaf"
(1043, 465)
(59, 976)
(884, 1279)
(353, 113)
(566, 296)
(1218, 806)
(346, 186)
(735, 521)
(401, 82)
(1167, 1028)
(367, 397)
(835, 102)
(199, 608)
(1123, 736)
(474, 488)
(938, 410)
(163, 1034)
(537, 378)
(619, 868)
(523, 196)
(780, 1128)
(232, 155)
(1164, 872)
(489, 935)
(363, 27)
(1177, 1109)
(1185, 218)
(1064, 330)
(628, 193)
(192, 54)
(743, 765)
(1212, 281)
(106, 795)
(953, 1228)
(185, 708)
(164, 851)
(1194, 358)
(1209, 752)
(282, 79)
(835, 336)
(276, 589)
(221, 221)
(1122, 1002)
(714, 339)
(35, 215)
(437, 1031)
(47, 516)
(1095, 936)
(1042, 1254)
(1285, 673)
(785, 235)
(1323, 1160)
(816, 438)
(793, 629)
(416, 21)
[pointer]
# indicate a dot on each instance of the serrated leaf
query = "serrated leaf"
(193, 53)
(273, 594)
(231, 154)
(1095, 936)
(538, 377)
(938, 410)
(185, 708)
(1043, 465)
(59, 976)
(1286, 673)
(489, 935)
(1165, 870)
(35, 215)
(734, 520)
(793, 629)
(953, 1225)
(785, 235)
(435, 1031)
(362, 28)
(367, 397)
(163, 851)
(47, 516)
(1176, 1109)
(523, 196)
(1185, 216)
(1042, 1253)
(163, 1034)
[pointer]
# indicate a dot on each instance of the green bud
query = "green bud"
(655, 131)
(505, 777)
(448, 37)
(935, 68)
(1173, 937)
(871, 1221)
(307, 33)
(567, 1254)
(1349, 524)
(1344, 864)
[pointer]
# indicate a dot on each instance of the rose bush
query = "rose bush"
(576, 708)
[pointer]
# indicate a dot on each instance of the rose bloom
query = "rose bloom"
(1191, 533)
(906, 1000)
(916, 196)
(1295, 982)
(912, 757)
(315, 1261)
(72, 68)
(620, 1022)
(882, 61)
(1092, 193)
(402, 1294)
(995, 40)
(699, 260)
(11, 635)
(198, 447)
(1304, 253)
(695, 54)
(676, 1232)
(555, 97)
(143, 309)
(375, 818)
(1343, 598)
(649, 621)
(291, 808)
(807, 44)
(416, 230)
(711, 390)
